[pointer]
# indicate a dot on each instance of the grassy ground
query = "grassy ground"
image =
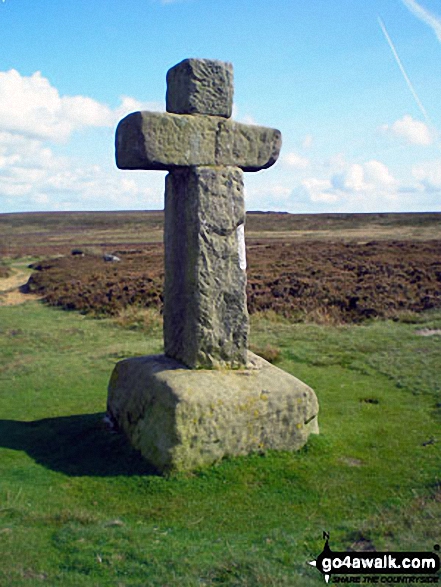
(79, 508)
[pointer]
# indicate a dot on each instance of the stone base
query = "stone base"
(181, 419)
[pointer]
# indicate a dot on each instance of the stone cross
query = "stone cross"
(205, 153)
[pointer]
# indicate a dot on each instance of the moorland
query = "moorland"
(350, 304)
(340, 268)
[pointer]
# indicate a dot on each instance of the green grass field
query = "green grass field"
(79, 508)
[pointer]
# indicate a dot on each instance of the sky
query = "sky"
(353, 85)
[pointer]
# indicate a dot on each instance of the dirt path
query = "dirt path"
(10, 294)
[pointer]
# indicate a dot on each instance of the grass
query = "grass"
(4, 270)
(78, 507)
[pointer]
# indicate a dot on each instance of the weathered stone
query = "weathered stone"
(205, 309)
(154, 140)
(182, 419)
(200, 86)
(207, 397)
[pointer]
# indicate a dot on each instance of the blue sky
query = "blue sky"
(354, 86)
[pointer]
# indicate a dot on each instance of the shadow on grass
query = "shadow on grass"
(75, 445)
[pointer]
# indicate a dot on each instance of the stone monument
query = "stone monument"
(208, 396)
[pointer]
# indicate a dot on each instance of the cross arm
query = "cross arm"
(163, 141)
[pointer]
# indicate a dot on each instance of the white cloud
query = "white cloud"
(307, 142)
(24, 152)
(32, 107)
(336, 162)
(351, 180)
(35, 120)
(412, 131)
(243, 118)
(319, 190)
(49, 181)
(23, 163)
(428, 175)
(129, 105)
(33, 115)
(378, 175)
(31, 173)
(296, 161)
(370, 177)
(434, 22)
(336, 185)
(41, 199)
(271, 191)
(341, 185)
(248, 119)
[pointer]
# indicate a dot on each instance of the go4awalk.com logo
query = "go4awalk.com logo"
(378, 567)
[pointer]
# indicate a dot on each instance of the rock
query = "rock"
(111, 258)
(182, 419)
(155, 140)
(200, 86)
(205, 309)
(207, 397)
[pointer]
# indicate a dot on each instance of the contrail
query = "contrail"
(403, 71)
(424, 15)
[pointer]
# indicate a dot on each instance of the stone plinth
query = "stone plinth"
(181, 419)
(205, 306)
